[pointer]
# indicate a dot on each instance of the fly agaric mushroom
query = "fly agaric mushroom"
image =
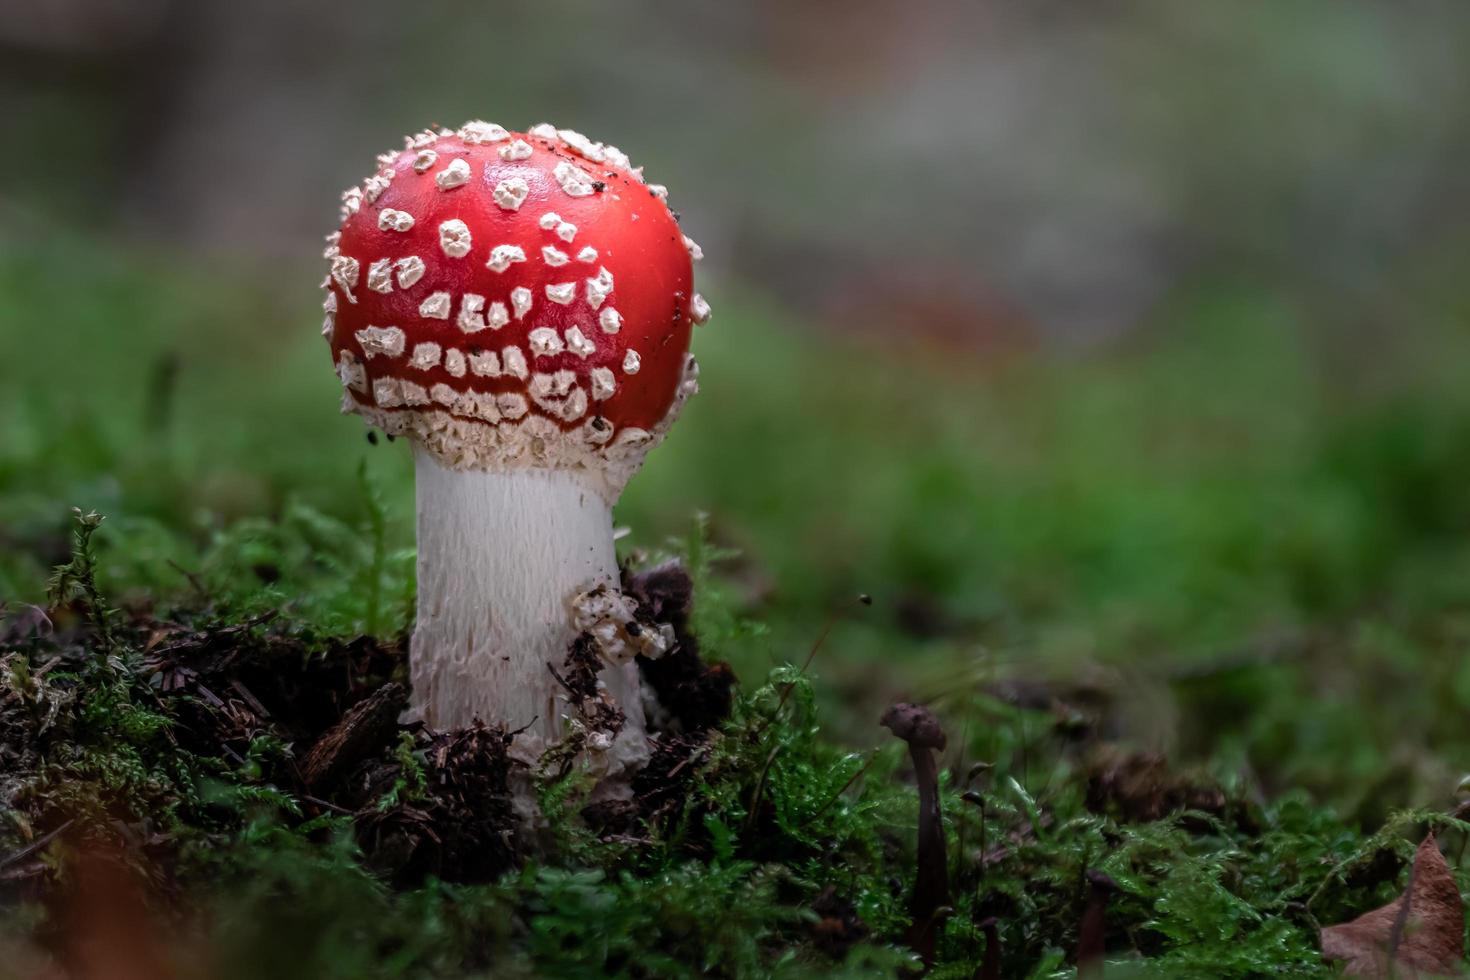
(519, 306)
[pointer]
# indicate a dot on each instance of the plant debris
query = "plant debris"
(693, 695)
(599, 716)
(233, 683)
(251, 775)
(364, 729)
(1139, 787)
(660, 789)
(1422, 932)
(441, 806)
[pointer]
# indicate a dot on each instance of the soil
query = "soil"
(460, 825)
(695, 696)
(421, 802)
(838, 927)
(1140, 787)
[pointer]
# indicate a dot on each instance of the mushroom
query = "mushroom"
(519, 305)
(1092, 930)
(917, 726)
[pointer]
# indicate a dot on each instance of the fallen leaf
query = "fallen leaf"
(1420, 933)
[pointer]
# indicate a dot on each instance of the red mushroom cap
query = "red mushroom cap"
(513, 299)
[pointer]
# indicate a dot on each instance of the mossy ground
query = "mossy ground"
(1226, 547)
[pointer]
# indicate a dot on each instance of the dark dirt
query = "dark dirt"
(363, 730)
(838, 927)
(659, 789)
(421, 803)
(1140, 787)
(339, 705)
(578, 677)
(695, 695)
(460, 825)
(231, 684)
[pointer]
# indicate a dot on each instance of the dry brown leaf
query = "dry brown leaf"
(1426, 939)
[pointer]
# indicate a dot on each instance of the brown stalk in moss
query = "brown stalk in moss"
(918, 727)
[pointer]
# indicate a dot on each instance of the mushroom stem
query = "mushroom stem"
(500, 557)
(1092, 931)
(918, 727)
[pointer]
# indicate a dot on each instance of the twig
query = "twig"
(526, 726)
(250, 699)
(1025, 767)
(701, 750)
(330, 806)
(35, 845)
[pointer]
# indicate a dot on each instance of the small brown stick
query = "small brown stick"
(260, 710)
(697, 753)
(35, 845)
(327, 805)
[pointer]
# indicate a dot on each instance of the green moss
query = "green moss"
(1213, 544)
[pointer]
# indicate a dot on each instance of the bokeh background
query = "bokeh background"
(1114, 347)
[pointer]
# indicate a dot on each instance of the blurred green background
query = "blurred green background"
(1113, 346)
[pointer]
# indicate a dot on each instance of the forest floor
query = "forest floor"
(1193, 615)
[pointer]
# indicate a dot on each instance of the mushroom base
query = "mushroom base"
(501, 555)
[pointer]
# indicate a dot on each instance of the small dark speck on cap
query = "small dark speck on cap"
(598, 185)
(390, 436)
